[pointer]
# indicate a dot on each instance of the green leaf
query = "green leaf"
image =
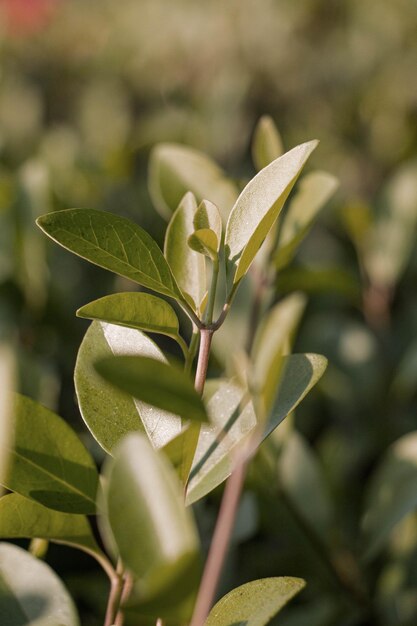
(7, 377)
(112, 242)
(317, 279)
(216, 450)
(208, 216)
(48, 462)
(175, 169)
(258, 206)
(164, 386)
(314, 191)
(267, 143)
(272, 341)
(23, 518)
(301, 477)
(187, 266)
(31, 594)
(155, 536)
(139, 310)
(204, 241)
(110, 414)
(391, 495)
(255, 603)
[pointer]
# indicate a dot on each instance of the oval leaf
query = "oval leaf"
(110, 414)
(187, 266)
(258, 206)
(267, 143)
(23, 518)
(208, 216)
(204, 241)
(159, 384)
(30, 591)
(175, 169)
(48, 462)
(139, 310)
(112, 242)
(314, 191)
(255, 603)
(155, 536)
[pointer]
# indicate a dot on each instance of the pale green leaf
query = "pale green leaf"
(204, 241)
(175, 169)
(110, 414)
(233, 424)
(258, 206)
(313, 192)
(112, 242)
(164, 386)
(187, 266)
(139, 310)
(272, 341)
(208, 216)
(31, 594)
(7, 377)
(301, 477)
(23, 518)
(392, 493)
(48, 462)
(267, 143)
(155, 536)
(255, 603)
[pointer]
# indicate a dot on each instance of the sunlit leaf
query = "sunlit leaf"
(110, 414)
(255, 603)
(139, 310)
(187, 266)
(175, 169)
(267, 143)
(155, 536)
(31, 594)
(164, 386)
(313, 192)
(392, 493)
(204, 241)
(23, 518)
(48, 462)
(112, 242)
(258, 206)
(233, 424)
(7, 376)
(208, 216)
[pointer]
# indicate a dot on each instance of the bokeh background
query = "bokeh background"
(87, 88)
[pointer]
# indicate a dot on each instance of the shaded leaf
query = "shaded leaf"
(48, 462)
(159, 384)
(267, 143)
(204, 241)
(208, 216)
(314, 191)
(319, 279)
(255, 603)
(112, 242)
(110, 414)
(175, 169)
(36, 595)
(392, 493)
(139, 310)
(258, 206)
(233, 424)
(23, 518)
(156, 536)
(187, 266)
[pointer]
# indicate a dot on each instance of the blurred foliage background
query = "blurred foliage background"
(86, 89)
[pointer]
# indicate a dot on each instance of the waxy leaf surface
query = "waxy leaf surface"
(112, 242)
(164, 386)
(48, 462)
(258, 206)
(255, 603)
(31, 594)
(109, 413)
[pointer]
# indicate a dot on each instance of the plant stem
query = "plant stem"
(219, 543)
(127, 588)
(206, 335)
(192, 349)
(115, 596)
(208, 314)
